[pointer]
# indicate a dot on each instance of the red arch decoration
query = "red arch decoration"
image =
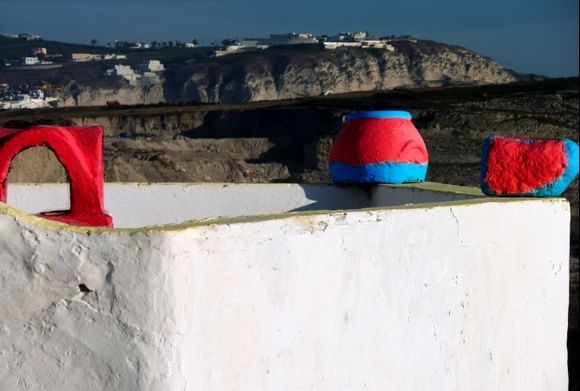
(79, 150)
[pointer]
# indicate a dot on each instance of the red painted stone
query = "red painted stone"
(518, 167)
(79, 150)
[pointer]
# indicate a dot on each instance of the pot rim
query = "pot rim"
(379, 114)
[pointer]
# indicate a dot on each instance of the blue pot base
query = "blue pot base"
(389, 172)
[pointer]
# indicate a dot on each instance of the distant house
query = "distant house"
(30, 61)
(338, 44)
(291, 39)
(377, 44)
(150, 66)
(351, 37)
(360, 36)
(343, 37)
(359, 39)
(84, 57)
(114, 57)
(28, 36)
(39, 52)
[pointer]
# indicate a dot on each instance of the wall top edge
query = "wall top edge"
(425, 186)
(29, 219)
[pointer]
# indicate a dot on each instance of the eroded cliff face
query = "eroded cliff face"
(78, 95)
(288, 76)
(298, 72)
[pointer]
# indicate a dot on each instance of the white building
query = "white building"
(360, 39)
(85, 57)
(33, 99)
(30, 61)
(338, 44)
(290, 39)
(150, 66)
(378, 44)
(114, 57)
(360, 35)
(39, 51)
(29, 36)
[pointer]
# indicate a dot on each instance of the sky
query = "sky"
(528, 36)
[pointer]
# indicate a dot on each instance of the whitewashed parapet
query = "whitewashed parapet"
(457, 295)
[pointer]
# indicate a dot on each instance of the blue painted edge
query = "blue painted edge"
(390, 172)
(560, 185)
(553, 189)
(483, 168)
(379, 114)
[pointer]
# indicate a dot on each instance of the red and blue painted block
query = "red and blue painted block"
(378, 147)
(539, 168)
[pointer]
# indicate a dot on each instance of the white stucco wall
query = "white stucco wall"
(460, 295)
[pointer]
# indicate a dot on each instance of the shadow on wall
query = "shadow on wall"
(351, 197)
(359, 196)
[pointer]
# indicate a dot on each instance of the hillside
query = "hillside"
(273, 74)
(16, 48)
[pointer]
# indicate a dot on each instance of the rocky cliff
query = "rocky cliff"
(294, 72)
(291, 74)
(76, 94)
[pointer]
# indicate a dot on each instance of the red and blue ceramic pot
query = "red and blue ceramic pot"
(378, 147)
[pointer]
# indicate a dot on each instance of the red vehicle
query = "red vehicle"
(113, 103)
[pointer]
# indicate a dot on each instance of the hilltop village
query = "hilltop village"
(136, 62)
